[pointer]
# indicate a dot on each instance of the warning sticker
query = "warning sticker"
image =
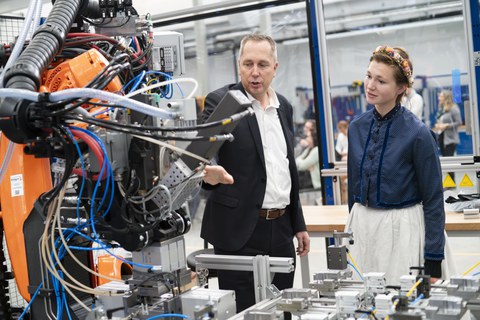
(466, 181)
(16, 184)
(448, 182)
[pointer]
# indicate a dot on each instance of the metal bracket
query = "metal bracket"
(476, 58)
(262, 267)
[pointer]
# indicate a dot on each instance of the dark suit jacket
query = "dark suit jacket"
(231, 211)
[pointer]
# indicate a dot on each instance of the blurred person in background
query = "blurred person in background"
(341, 153)
(341, 145)
(308, 160)
(448, 121)
(413, 102)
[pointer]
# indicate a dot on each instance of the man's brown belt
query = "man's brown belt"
(271, 214)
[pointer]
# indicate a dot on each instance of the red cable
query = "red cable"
(95, 147)
(81, 34)
(137, 45)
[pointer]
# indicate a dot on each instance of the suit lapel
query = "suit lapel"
(254, 129)
(257, 138)
(285, 129)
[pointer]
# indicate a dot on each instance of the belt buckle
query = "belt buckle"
(267, 217)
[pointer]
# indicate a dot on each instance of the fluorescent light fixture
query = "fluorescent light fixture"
(231, 35)
(294, 41)
(404, 26)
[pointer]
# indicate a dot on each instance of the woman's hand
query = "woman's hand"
(440, 126)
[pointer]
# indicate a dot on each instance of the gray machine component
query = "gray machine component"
(358, 300)
(261, 315)
(108, 303)
(465, 287)
(218, 304)
(149, 293)
(132, 25)
(187, 116)
(447, 307)
(185, 108)
(168, 260)
(232, 103)
(296, 300)
(169, 254)
(337, 253)
(337, 258)
(116, 144)
(375, 282)
(168, 53)
(181, 181)
(329, 281)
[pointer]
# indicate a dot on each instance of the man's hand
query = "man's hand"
(303, 243)
(216, 174)
(434, 280)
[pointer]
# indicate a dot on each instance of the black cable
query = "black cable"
(94, 84)
(132, 130)
(101, 222)
(46, 42)
(103, 83)
(144, 64)
(133, 186)
(70, 160)
(141, 212)
(107, 125)
(114, 63)
(70, 53)
(367, 312)
(177, 129)
(105, 25)
(94, 23)
(146, 51)
(83, 40)
(133, 222)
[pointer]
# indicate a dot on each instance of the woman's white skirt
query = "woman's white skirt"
(391, 241)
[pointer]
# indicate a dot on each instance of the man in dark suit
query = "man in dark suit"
(255, 208)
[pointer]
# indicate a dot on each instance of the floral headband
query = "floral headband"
(399, 60)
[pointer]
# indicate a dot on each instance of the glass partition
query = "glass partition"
(211, 53)
(431, 31)
(434, 35)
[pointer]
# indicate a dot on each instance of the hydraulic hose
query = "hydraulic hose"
(33, 11)
(37, 16)
(19, 94)
(26, 72)
(113, 98)
(46, 42)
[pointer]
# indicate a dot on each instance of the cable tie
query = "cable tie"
(44, 97)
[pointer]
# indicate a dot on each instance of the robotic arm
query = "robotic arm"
(91, 167)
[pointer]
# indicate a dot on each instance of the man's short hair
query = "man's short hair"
(259, 37)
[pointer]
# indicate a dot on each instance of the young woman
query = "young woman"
(394, 178)
(448, 121)
(308, 160)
